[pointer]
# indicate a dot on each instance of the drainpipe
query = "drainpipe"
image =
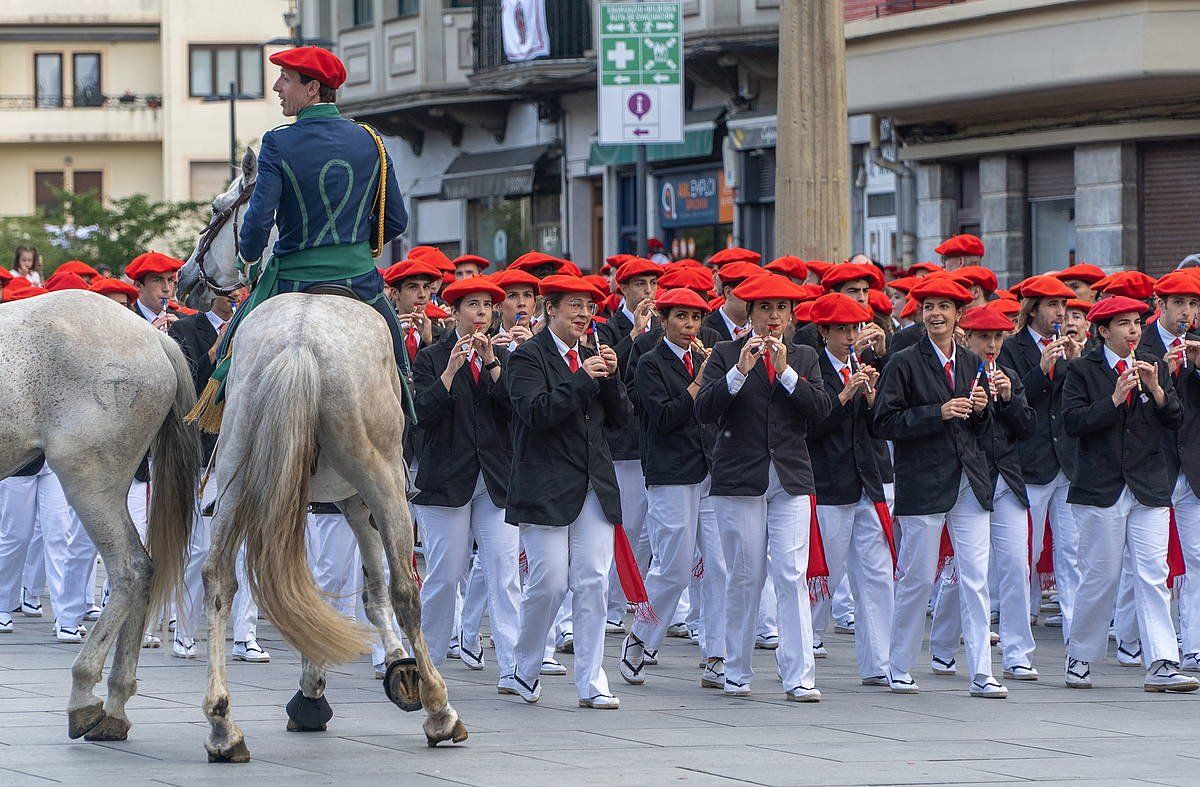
(906, 219)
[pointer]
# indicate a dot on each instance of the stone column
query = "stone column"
(937, 207)
(812, 197)
(1106, 209)
(1003, 215)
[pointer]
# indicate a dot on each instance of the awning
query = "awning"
(750, 132)
(698, 131)
(498, 173)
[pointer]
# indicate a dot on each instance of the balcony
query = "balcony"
(570, 64)
(81, 118)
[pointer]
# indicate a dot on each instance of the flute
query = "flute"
(1183, 355)
(981, 371)
(1133, 365)
(855, 365)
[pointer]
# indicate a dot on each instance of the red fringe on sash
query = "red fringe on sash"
(523, 563)
(818, 569)
(698, 568)
(1175, 564)
(1045, 564)
(889, 530)
(946, 570)
(416, 575)
(631, 577)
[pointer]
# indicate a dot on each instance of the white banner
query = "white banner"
(524, 26)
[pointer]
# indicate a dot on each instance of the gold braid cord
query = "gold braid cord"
(381, 194)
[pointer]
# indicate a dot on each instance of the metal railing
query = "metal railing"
(568, 23)
(80, 101)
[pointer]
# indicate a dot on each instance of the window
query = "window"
(87, 181)
(881, 204)
(48, 80)
(208, 179)
(85, 71)
(452, 3)
(212, 68)
(46, 185)
(362, 11)
(409, 7)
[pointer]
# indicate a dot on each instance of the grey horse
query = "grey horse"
(312, 413)
(91, 386)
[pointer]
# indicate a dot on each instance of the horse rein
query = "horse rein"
(209, 234)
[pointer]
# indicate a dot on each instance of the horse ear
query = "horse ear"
(249, 166)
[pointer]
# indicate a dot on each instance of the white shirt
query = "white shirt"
(787, 378)
(149, 315)
(1167, 337)
(1113, 359)
(675, 348)
(837, 364)
(942, 359)
(734, 329)
(1037, 337)
(215, 320)
(563, 349)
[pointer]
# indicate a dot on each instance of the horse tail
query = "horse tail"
(173, 473)
(271, 510)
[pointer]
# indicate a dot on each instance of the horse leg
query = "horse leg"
(308, 710)
(390, 512)
(225, 741)
(379, 604)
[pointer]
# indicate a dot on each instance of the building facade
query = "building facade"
(121, 97)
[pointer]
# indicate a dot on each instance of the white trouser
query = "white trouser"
(917, 562)
(673, 519)
(771, 528)
(857, 551)
(1052, 497)
(1010, 557)
(333, 557)
(18, 522)
(841, 606)
(632, 483)
(475, 599)
(714, 582)
(448, 533)
(1105, 535)
(766, 620)
(137, 502)
(577, 556)
(1124, 614)
(1042, 499)
(684, 609)
(564, 619)
(1187, 518)
(70, 553)
(34, 575)
(244, 612)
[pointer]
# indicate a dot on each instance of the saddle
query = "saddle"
(328, 288)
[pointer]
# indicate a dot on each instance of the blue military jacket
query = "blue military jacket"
(317, 180)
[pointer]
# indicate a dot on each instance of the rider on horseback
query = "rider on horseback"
(319, 183)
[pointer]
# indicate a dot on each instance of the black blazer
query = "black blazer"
(676, 448)
(1049, 448)
(195, 335)
(762, 424)
(1187, 385)
(1177, 446)
(559, 449)
(845, 457)
(1011, 422)
(623, 440)
(715, 322)
(1119, 446)
(931, 454)
(465, 429)
(907, 337)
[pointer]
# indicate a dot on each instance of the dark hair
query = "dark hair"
(37, 260)
(325, 94)
(553, 299)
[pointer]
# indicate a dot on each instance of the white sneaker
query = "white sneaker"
(1165, 676)
(31, 605)
(1021, 672)
(875, 680)
(1191, 663)
(713, 676)
(614, 627)
(819, 651)
(565, 642)
(471, 659)
(6, 623)
(511, 684)
(1078, 674)
(766, 641)
(993, 638)
(69, 634)
(93, 613)
(940, 666)
(601, 702)
(1129, 654)
(844, 626)
(151, 640)
(732, 689)
(1053, 621)
(183, 647)
(552, 667)
(650, 657)
(250, 651)
(677, 630)
(454, 651)
(802, 694)
(988, 687)
(694, 635)
(633, 662)
(903, 683)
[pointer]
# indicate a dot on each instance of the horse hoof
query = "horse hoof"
(235, 753)
(80, 720)
(308, 715)
(402, 684)
(110, 728)
(295, 726)
(457, 735)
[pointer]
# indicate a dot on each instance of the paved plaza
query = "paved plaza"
(667, 731)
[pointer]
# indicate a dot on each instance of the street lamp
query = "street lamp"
(232, 97)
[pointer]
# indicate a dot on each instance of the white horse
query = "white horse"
(91, 386)
(312, 413)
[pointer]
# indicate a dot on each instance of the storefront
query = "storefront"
(695, 211)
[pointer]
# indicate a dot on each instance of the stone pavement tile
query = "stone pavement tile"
(866, 750)
(1108, 747)
(975, 730)
(562, 741)
(772, 736)
(1148, 763)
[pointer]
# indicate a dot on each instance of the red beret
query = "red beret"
(570, 284)
(19, 289)
(960, 246)
(686, 262)
(981, 318)
(716, 303)
(1084, 272)
(903, 284)
(77, 267)
(818, 267)
(65, 281)
(432, 255)
(1115, 305)
(151, 262)
(1178, 283)
(880, 302)
(693, 278)
(811, 291)
(435, 312)
(845, 272)
(910, 308)
(1005, 295)
(5, 276)
(803, 311)
(1078, 304)
(612, 302)
(1045, 286)
(617, 260)
(681, 296)
(453, 293)
(408, 268)
(637, 267)
(535, 259)
(313, 61)
(654, 243)
(734, 254)
(570, 268)
(514, 277)
(1004, 306)
(917, 267)
(834, 308)
(1131, 284)
(788, 266)
(769, 286)
(940, 287)
(736, 272)
(599, 282)
(105, 286)
(481, 262)
(979, 276)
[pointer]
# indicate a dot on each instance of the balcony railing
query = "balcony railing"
(80, 101)
(568, 23)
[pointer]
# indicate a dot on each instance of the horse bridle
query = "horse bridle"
(209, 234)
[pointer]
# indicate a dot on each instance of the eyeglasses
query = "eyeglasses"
(579, 306)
